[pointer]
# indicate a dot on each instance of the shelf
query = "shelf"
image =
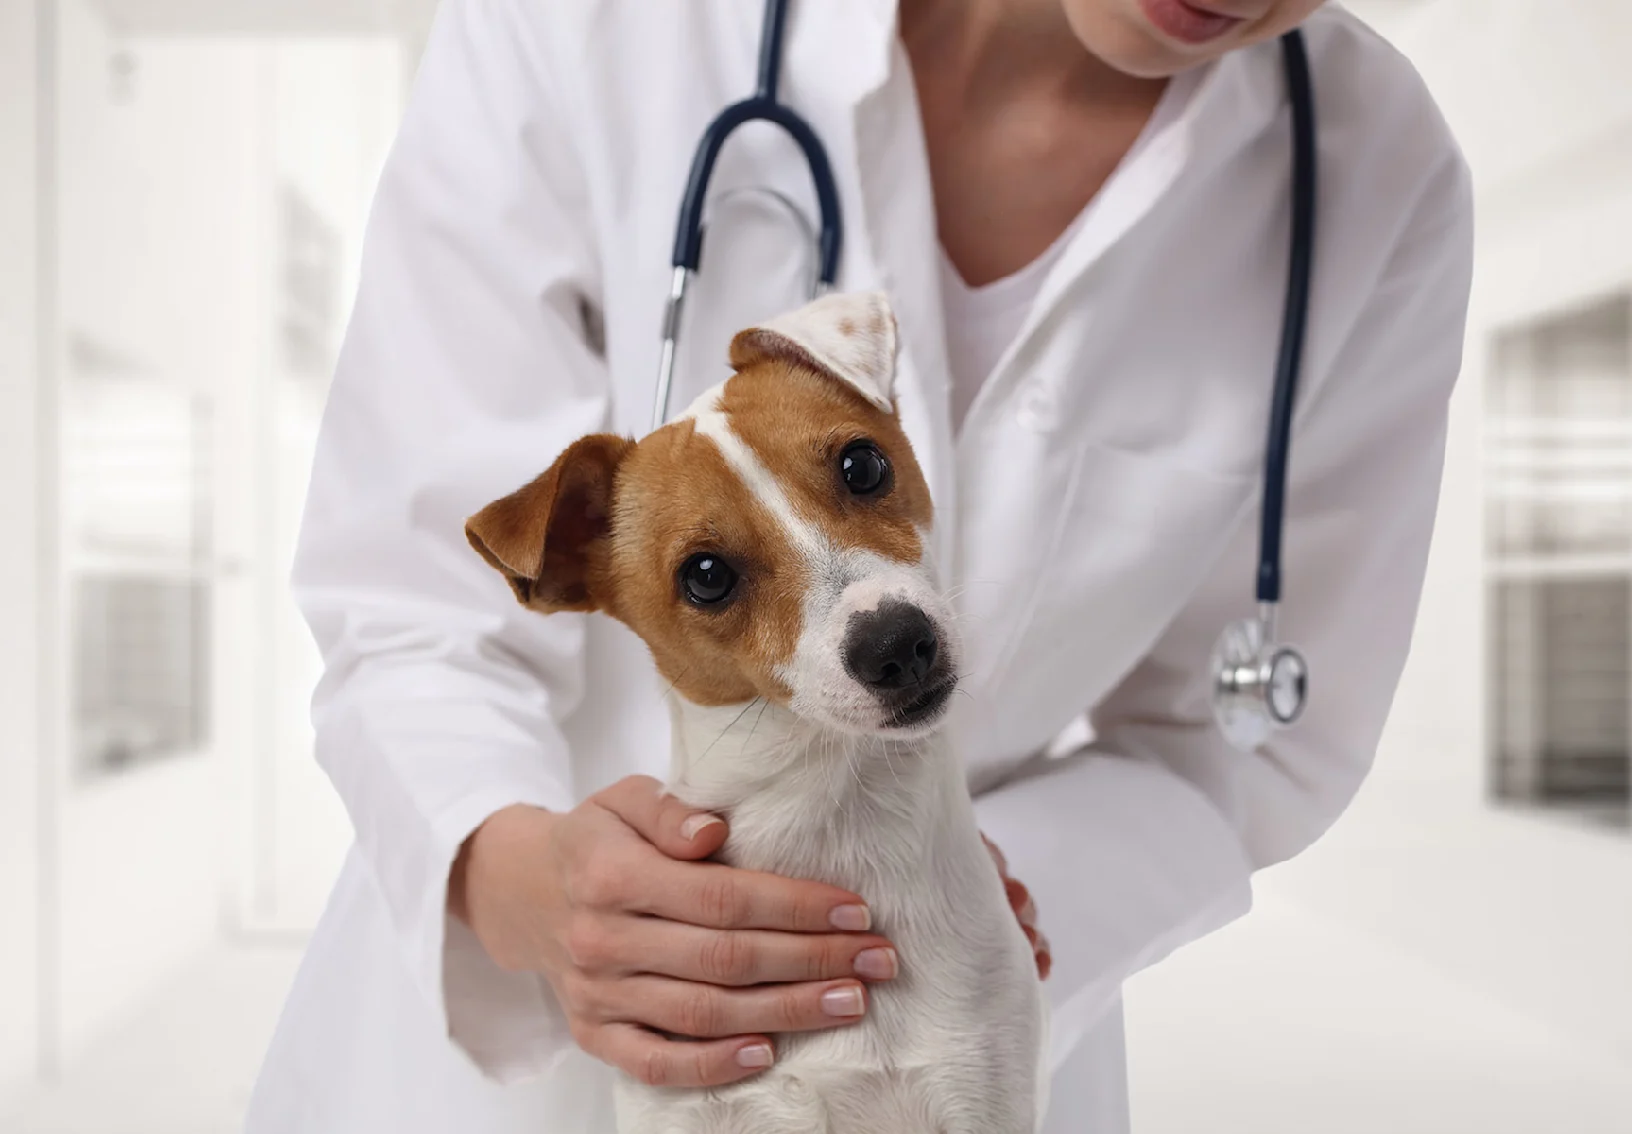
(1564, 566)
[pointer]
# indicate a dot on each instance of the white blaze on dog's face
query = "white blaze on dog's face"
(771, 542)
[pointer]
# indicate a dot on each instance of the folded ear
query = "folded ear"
(851, 337)
(544, 538)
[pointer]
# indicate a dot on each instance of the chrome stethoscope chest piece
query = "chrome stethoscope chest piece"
(1258, 685)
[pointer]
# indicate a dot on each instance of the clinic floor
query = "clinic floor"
(1285, 1023)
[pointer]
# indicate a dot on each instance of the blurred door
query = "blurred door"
(330, 112)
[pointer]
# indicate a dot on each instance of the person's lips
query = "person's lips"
(1186, 22)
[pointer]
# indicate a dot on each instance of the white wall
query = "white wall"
(155, 223)
(1534, 916)
(333, 112)
(169, 258)
(19, 520)
(1540, 97)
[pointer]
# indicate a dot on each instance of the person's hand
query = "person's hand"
(1024, 909)
(638, 940)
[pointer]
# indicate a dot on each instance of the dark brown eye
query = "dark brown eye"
(707, 579)
(863, 468)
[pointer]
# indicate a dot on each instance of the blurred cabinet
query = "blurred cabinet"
(1559, 560)
(135, 498)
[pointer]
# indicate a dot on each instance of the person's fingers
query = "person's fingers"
(675, 828)
(734, 957)
(704, 1011)
(659, 1062)
(1045, 957)
(723, 897)
(1020, 901)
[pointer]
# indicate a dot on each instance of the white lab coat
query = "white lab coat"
(1097, 509)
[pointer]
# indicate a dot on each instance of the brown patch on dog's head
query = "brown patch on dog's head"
(680, 500)
(750, 486)
(799, 424)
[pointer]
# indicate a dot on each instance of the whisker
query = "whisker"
(890, 764)
(763, 705)
(724, 731)
(678, 678)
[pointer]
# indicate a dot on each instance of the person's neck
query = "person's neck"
(991, 55)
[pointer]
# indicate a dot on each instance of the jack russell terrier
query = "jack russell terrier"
(771, 547)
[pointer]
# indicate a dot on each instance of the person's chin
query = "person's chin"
(1122, 36)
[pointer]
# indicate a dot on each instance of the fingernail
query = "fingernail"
(756, 1056)
(851, 919)
(877, 964)
(847, 1001)
(695, 825)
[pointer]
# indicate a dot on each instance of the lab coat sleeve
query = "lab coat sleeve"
(1148, 839)
(466, 368)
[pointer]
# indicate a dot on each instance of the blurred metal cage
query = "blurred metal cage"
(1559, 561)
(136, 519)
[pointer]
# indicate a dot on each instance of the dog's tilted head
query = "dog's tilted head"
(771, 542)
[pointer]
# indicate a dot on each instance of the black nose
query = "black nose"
(893, 647)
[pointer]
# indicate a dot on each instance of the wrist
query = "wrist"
(460, 871)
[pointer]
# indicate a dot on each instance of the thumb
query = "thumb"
(673, 827)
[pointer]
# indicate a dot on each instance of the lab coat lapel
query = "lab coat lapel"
(1019, 457)
(1221, 103)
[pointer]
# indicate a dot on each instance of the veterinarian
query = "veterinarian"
(1079, 210)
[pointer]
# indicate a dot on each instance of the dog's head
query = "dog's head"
(771, 542)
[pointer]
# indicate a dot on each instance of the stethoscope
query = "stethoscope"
(1259, 684)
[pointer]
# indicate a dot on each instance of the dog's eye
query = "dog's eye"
(864, 468)
(707, 579)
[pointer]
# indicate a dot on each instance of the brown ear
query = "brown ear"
(543, 537)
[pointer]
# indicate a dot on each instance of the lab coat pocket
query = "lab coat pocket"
(1137, 534)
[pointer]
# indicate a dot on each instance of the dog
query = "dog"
(771, 546)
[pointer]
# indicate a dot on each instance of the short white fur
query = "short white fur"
(853, 335)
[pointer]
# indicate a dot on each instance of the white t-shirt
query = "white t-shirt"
(981, 322)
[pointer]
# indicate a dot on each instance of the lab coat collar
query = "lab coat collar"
(1223, 105)
(1219, 107)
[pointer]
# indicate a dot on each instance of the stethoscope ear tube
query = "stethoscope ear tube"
(762, 106)
(1294, 322)
(688, 237)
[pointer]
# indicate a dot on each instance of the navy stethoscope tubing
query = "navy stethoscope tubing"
(1288, 361)
(762, 106)
(1258, 685)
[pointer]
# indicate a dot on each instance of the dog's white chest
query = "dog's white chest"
(954, 1044)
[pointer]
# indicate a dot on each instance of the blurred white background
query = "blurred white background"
(182, 189)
